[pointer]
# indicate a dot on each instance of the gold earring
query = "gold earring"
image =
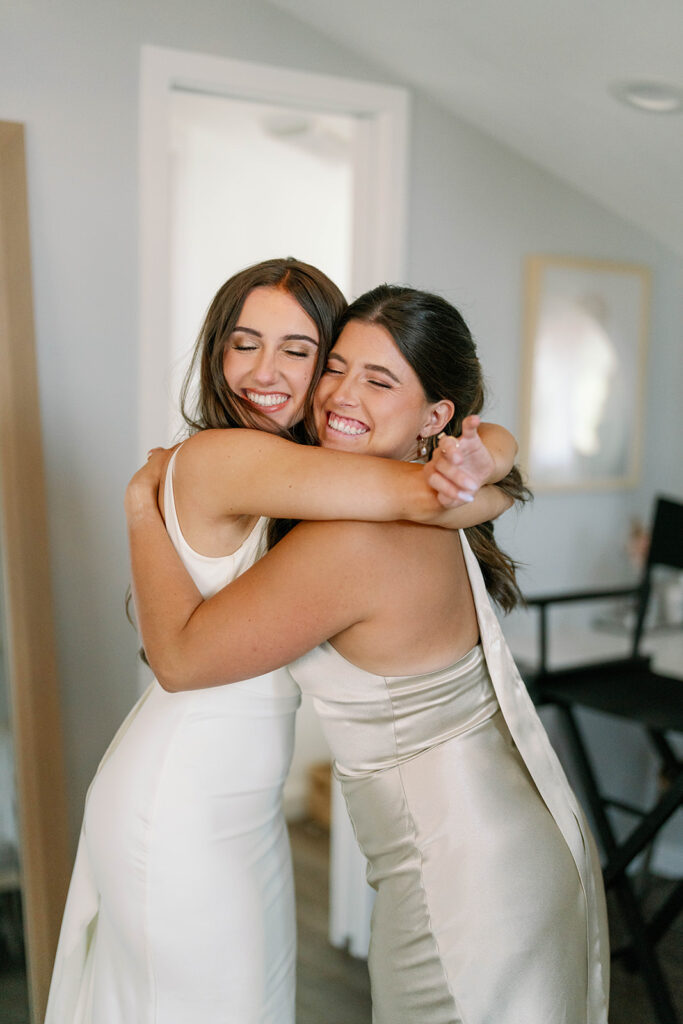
(421, 446)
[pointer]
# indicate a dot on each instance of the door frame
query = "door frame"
(26, 592)
(380, 188)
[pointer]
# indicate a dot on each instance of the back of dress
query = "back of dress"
(489, 896)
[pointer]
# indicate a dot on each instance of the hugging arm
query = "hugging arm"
(186, 640)
(192, 644)
(164, 593)
(249, 472)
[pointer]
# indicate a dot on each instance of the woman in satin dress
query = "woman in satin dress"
(181, 905)
(490, 908)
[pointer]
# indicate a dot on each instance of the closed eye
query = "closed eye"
(298, 354)
(380, 384)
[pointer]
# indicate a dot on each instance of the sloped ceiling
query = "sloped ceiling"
(536, 74)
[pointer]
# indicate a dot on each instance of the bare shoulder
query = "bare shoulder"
(332, 564)
(389, 549)
(349, 540)
(342, 531)
(224, 458)
(233, 441)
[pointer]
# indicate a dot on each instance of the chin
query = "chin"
(337, 444)
(347, 443)
(274, 424)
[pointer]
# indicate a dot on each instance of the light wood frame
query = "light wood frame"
(32, 675)
(605, 279)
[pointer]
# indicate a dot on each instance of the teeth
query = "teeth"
(272, 399)
(344, 426)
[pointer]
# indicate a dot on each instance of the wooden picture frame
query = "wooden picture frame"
(27, 587)
(583, 372)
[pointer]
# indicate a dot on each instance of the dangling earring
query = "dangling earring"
(421, 446)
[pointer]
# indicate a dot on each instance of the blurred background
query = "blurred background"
(533, 128)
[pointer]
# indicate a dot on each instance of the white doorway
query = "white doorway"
(250, 181)
(370, 119)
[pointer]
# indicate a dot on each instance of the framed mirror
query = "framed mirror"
(32, 798)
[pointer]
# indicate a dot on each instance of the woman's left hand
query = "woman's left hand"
(143, 488)
(459, 466)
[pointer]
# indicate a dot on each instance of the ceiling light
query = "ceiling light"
(650, 97)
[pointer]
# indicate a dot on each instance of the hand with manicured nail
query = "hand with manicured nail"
(459, 466)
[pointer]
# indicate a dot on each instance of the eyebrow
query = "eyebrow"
(285, 337)
(368, 366)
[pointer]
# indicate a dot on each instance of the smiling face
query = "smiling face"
(370, 400)
(270, 356)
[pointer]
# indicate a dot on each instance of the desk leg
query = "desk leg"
(650, 969)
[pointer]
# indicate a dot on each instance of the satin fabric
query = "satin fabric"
(490, 908)
(181, 904)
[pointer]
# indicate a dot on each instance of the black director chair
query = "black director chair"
(630, 689)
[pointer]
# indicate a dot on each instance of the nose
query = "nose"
(344, 392)
(265, 370)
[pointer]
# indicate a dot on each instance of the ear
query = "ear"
(439, 414)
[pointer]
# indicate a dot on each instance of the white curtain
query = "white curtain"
(351, 898)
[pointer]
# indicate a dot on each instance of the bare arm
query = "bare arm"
(176, 624)
(248, 472)
(483, 454)
(186, 639)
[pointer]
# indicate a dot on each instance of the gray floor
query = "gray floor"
(333, 987)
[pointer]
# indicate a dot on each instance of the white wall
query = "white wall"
(69, 69)
(477, 209)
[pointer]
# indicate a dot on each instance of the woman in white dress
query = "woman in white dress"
(181, 903)
(489, 907)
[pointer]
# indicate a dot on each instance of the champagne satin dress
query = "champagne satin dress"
(181, 905)
(489, 908)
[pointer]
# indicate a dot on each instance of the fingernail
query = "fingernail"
(465, 496)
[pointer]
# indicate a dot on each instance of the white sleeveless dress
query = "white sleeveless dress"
(181, 904)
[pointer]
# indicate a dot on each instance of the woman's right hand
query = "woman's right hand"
(142, 492)
(459, 466)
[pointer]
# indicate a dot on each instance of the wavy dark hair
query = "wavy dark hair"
(434, 339)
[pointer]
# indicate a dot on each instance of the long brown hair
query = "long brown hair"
(434, 339)
(214, 404)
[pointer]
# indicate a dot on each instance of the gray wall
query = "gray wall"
(69, 69)
(477, 209)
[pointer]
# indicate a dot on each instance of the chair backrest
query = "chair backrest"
(666, 548)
